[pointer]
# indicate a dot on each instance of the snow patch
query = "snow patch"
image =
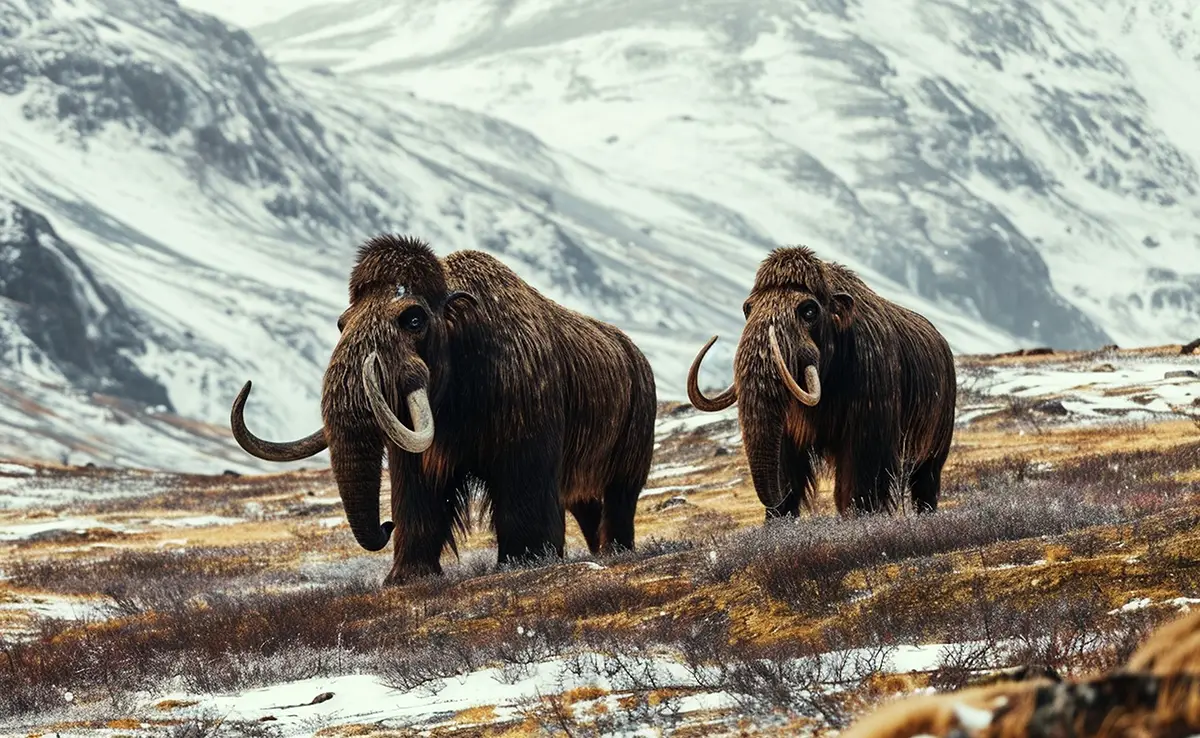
(26, 531)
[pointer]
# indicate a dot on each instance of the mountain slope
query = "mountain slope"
(1033, 166)
(214, 202)
(634, 163)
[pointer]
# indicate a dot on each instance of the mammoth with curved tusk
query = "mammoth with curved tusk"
(828, 369)
(467, 375)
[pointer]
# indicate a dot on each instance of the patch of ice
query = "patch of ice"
(24, 531)
(1140, 603)
(1001, 567)
(967, 416)
(320, 501)
(652, 491)
(367, 699)
(672, 425)
(198, 521)
(57, 491)
(674, 470)
(1184, 603)
(53, 606)
(362, 698)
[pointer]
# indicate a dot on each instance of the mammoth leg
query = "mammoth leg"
(865, 479)
(845, 485)
(927, 483)
(527, 513)
(424, 511)
(797, 475)
(587, 513)
(620, 508)
(630, 459)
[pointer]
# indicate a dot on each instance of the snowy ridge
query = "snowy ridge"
(214, 200)
(954, 147)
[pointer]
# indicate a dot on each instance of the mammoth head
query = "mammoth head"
(793, 316)
(390, 361)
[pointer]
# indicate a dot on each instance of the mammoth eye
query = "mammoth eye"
(809, 310)
(414, 319)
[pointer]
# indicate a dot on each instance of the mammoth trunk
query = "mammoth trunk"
(355, 454)
(761, 415)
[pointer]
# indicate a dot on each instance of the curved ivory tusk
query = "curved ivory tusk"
(810, 375)
(414, 441)
(697, 398)
(312, 444)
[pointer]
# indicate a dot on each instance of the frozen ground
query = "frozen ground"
(1117, 387)
(361, 699)
(137, 549)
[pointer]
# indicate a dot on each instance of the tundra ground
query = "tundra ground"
(139, 603)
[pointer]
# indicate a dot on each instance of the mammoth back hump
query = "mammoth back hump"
(525, 354)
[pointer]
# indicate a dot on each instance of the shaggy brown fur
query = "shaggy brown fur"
(1118, 705)
(937, 714)
(1027, 673)
(549, 410)
(1172, 649)
(885, 416)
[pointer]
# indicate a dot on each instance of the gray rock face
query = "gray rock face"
(73, 321)
(220, 105)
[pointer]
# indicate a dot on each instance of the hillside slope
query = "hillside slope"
(191, 209)
(1032, 166)
(200, 208)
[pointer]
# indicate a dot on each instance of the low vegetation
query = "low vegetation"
(1061, 551)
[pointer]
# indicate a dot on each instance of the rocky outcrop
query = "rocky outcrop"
(67, 319)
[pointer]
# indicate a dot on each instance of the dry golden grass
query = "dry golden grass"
(476, 715)
(168, 705)
(582, 694)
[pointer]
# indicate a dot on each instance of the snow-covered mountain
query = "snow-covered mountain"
(189, 203)
(954, 147)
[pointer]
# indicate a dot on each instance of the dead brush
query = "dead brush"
(880, 581)
(811, 556)
(604, 595)
(131, 570)
(203, 643)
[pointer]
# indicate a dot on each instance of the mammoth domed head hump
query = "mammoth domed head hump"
(795, 267)
(797, 291)
(389, 263)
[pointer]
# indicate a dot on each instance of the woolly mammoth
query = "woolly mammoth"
(828, 369)
(467, 375)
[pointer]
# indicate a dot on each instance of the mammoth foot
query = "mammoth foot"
(405, 573)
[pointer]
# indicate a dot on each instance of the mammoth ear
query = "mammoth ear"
(458, 297)
(456, 301)
(841, 306)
